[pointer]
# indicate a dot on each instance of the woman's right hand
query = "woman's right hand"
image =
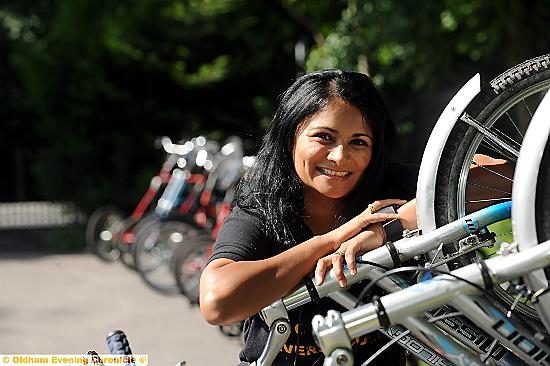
(369, 237)
(364, 219)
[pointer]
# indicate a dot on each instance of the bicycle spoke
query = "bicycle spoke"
(488, 187)
(527, 108)
(490, 200)
(496, 147)
(491, 136)
(492, 172)
(514, 122)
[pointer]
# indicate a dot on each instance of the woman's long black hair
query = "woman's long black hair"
(272, 186)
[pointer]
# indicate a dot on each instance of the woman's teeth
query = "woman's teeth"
(333, 172)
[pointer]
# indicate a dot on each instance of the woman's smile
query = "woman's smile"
(333, 173)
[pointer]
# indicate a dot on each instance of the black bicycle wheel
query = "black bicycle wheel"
(189, 262)
(154, 247)
(127, 237)
(102, 229)
(494, 125)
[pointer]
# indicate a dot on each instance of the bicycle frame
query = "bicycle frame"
(276, 316)
(173, 152)
(406, 306)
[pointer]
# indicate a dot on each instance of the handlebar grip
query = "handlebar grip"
(118, 343)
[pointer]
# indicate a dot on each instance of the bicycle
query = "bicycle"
(106, 223)
(179, 230)
(469, 233)
(450, 116)
(118, 345)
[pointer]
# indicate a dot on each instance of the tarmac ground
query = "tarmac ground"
(53, 303)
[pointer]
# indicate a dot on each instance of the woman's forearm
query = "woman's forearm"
(232, 291)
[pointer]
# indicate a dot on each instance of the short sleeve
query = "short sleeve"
(242, 237)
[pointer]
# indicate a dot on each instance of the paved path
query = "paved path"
(51, 303)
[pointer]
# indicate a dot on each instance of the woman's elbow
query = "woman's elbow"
(213, 304)
(210, 312)
(212, 308)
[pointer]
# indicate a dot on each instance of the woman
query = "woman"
(309, 202)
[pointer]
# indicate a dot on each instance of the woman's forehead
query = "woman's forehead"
(337, 115)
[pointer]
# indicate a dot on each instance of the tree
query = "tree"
(420, 53)
(104, 79)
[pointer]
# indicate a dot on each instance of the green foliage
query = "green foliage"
(419, 52)
(103, 79)
(88, 85)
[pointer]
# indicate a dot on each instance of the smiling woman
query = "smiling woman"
(312, 194)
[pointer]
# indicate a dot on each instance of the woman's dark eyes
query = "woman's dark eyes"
(360, 142)
(324, 136)
(328, 137)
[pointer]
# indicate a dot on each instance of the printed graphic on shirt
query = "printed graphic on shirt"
(303, 349)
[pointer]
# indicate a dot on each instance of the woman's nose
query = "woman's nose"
(337, 154)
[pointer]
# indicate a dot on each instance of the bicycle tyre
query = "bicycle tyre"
(506, 95)
(154, 247)
(128, 236)
(102, 229)
(189, 262)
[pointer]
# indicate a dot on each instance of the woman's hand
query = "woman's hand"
(360, 222)
(369, 239)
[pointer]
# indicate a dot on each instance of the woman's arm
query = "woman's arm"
(234, 290)
(363, 242)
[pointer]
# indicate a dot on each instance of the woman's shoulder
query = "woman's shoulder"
(247, 214)
(242, 236)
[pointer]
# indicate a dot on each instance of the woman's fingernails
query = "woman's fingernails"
(352, 271)
(342, 283)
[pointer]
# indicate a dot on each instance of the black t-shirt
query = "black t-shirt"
(243, 237)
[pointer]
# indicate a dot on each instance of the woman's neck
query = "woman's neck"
(321, 212)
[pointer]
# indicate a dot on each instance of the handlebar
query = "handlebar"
(118, 343)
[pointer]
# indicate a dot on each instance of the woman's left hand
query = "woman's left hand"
(370, 238)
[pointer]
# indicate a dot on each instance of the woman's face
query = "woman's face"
(332, 150)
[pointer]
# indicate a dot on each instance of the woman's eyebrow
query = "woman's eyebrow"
(363, 134)
(357, 134)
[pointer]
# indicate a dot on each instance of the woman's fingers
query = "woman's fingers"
(377, 205)
(334, 261)
(379, 217)
(337, 267)
(364, 241)
(323, 265)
